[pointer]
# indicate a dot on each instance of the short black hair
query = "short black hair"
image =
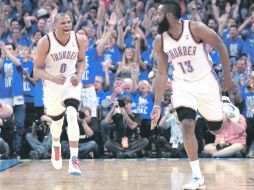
(61, 14)
(172, 7)
(11, 44)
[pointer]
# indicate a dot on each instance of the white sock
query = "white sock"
(56, 143)
(196, 172)
(74, 152)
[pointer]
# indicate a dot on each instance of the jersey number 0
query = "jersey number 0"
(63, 68)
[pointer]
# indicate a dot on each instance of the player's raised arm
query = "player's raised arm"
(201, 32)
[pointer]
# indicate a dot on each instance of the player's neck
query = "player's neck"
(62, 37)
(176, 28)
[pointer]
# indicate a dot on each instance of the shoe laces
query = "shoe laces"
(196, 180)
(75, 163)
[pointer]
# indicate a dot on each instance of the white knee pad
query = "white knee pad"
(56, 128)
(73, 128)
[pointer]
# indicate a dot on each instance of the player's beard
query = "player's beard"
(163, 25)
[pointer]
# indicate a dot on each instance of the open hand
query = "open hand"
(112, 20)
(230, 86)
(155, 115)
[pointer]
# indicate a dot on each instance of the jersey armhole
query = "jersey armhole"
(77, 40)
(198, 42)
(49, 43)
(162, 42)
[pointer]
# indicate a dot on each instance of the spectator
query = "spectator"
(6, 131)
(89, 135)
(245, 97)
(11, 92)
(169, 120)
(28, 85)
(241, 72)
(144, 103)
(234, 44)
(126, 142)
(129, 66)
(107, 103)
(93, 56)
(231, 141)
(40, 139)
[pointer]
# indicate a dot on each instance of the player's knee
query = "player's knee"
(56, 127)
(73, 128)
(214, 126)
(71, 113)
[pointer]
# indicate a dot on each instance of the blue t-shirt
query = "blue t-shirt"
(6, 79)
(28, 87)
(144, 104)
(92, 62)
(235, 47)
(249, 49)
(128, 40)
(17, 87)
(248, 99)
(145, 56)
(38, 94)
(215, 58)
(114, 56)
(11, 80)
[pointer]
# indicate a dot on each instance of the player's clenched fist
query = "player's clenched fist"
(74, 80)
(59, 79)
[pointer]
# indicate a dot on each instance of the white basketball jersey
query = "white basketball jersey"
(62, 59)
(189, 58)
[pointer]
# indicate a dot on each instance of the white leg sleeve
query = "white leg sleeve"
(56, 128)
(73, 128)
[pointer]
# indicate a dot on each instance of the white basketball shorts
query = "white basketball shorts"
(54, 96)
(203, 96)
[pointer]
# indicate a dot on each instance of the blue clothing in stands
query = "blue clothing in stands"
(249, 49)
(145, 56)
(6, 79)
(38, 94)
(92, 62)
(17, 86)
(28, 87)
(235, 47)
(248, 103)
(113, 55)
(144, 104)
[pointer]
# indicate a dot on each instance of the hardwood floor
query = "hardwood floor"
(147, 174)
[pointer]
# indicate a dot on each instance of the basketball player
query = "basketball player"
(195, 86)
(60, 63)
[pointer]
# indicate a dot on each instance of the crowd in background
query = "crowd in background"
(117, 94)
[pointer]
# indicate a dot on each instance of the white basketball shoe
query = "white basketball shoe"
(196, 183)
(230, 109)
(56, 158)
(74, 168)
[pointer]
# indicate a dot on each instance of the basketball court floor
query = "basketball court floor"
(129, 174)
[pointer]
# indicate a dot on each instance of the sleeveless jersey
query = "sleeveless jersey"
(62, 59)
(190, 59)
